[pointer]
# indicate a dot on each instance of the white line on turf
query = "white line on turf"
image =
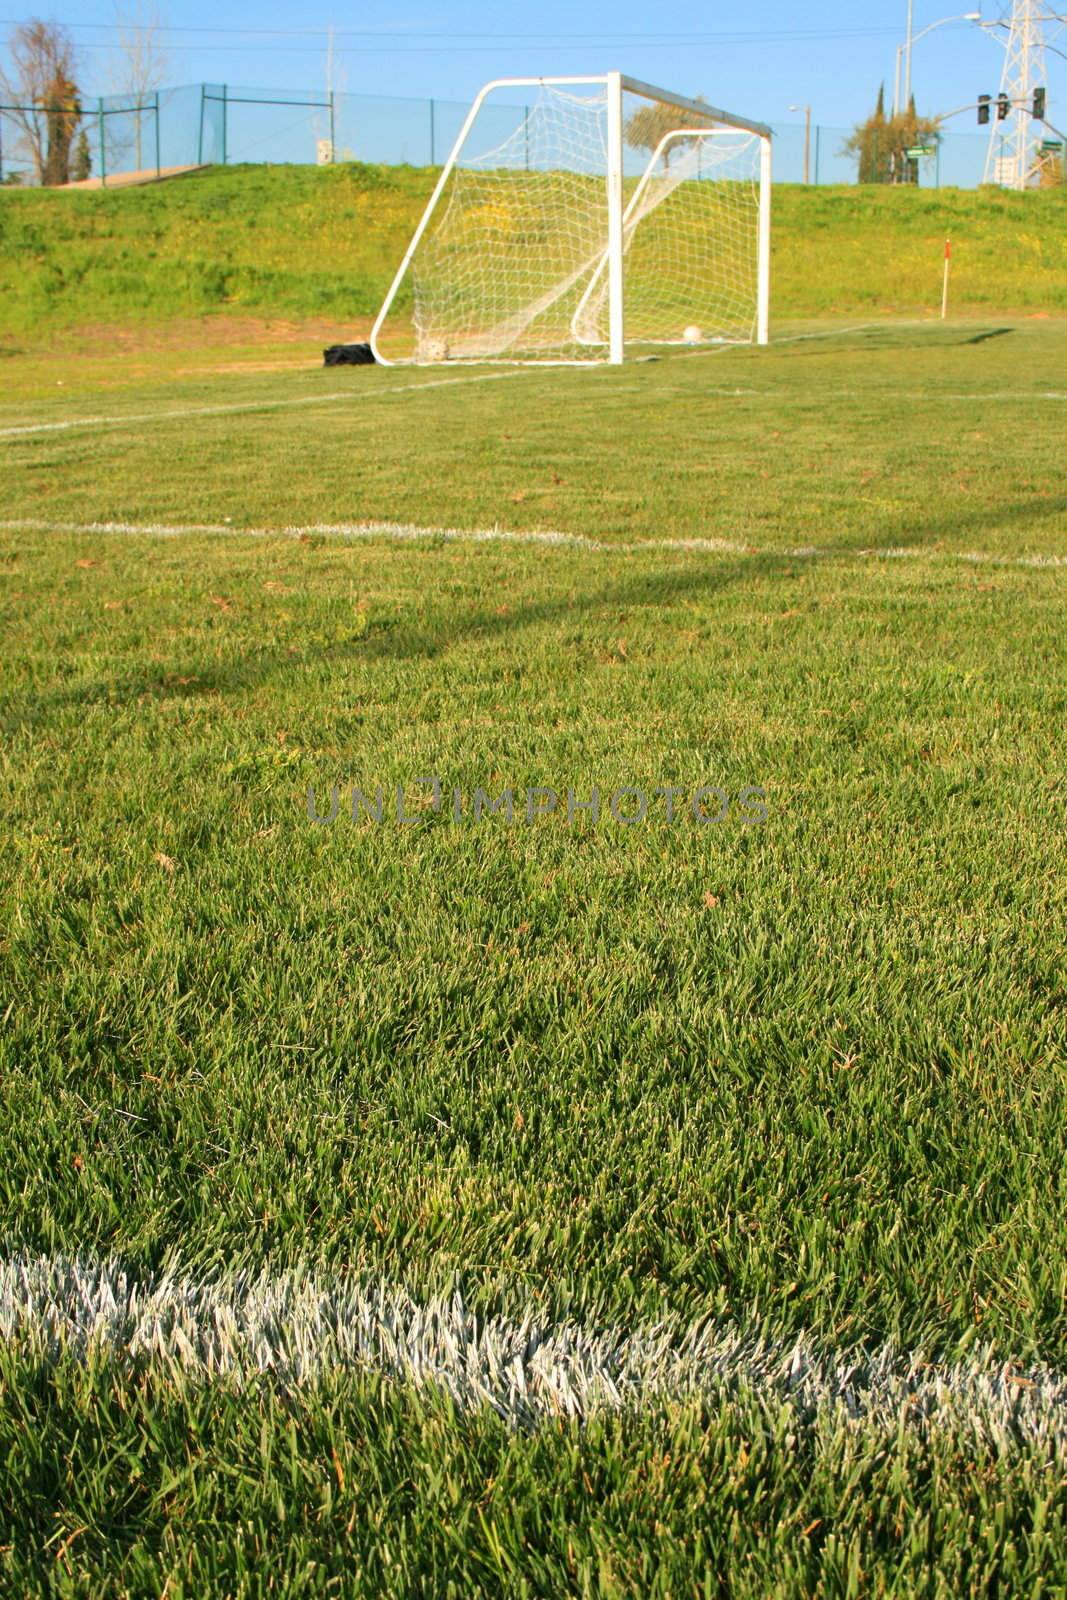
(298, 1327)
(839, 333)
(338, 396)
(395, 531)
(409, 532)
(335, 397)
(1023, 396)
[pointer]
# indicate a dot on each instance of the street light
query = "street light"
(807, 139)
(906, 48)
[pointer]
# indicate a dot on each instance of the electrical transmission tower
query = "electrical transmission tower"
(1014, 156)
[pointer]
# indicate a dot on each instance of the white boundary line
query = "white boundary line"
(837, 333)
(355, 398)
(335, 397)
(297, 1326)
(404, 533)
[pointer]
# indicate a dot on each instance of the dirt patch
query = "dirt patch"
(293, 364)
(99, 358)
(206, 333)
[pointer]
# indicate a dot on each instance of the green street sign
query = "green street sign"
(1052, 147)
(917, 151)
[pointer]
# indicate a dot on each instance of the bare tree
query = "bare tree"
(43, 98)
(140, 67)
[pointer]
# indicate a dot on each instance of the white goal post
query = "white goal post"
(577, 219)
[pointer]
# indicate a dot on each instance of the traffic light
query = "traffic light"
(983, 109)
(1003, 107)
(1039, 104)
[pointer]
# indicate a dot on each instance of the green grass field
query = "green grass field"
(742, 1141)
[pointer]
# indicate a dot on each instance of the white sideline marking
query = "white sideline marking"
(334, 397)
(401, 532)
(1025, 398)
(837, 333)
(409, 532)
(1013, 561)
(298, 1327)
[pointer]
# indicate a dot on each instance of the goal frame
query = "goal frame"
(707, 119)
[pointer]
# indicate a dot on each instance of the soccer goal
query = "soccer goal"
(581, 219)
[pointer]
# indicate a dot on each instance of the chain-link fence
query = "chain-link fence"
(201, 124)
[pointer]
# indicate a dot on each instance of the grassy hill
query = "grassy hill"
(307, 242)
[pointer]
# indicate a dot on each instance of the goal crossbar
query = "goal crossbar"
(694, 108)
(708, 118)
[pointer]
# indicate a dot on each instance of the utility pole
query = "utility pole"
(807, 140)
(329, 87)
(1012, 159)
(907, 59)
(908, 47)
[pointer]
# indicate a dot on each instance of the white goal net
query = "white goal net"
(596, 216)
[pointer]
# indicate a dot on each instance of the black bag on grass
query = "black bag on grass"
(348, 355)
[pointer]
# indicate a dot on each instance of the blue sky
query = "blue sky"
(759, 59)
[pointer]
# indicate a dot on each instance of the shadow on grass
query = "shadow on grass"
(391, 642)
(991, 333)
(929, 532)
(863, 340)
(659, 588)
(685, 582)
(666, 586)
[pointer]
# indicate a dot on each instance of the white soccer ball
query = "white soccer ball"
(692, 334)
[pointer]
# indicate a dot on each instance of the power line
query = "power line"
(407, 42)
(427, 33)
